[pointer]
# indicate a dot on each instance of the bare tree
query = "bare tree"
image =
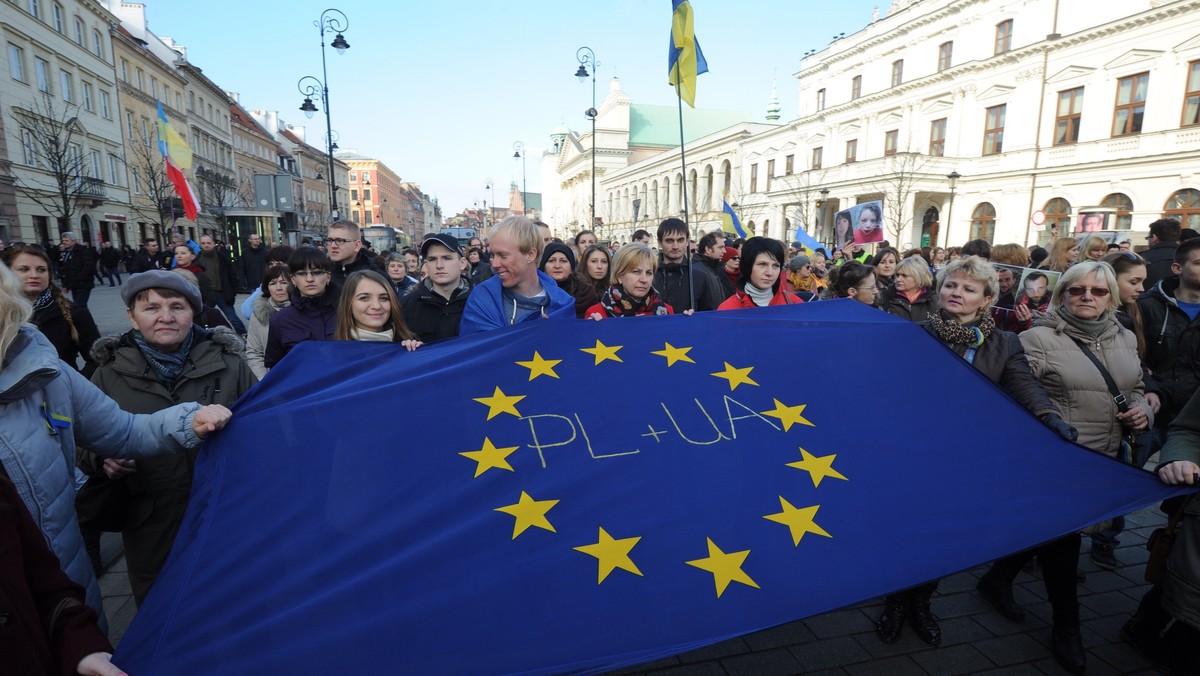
(157, 202)
(803, 190)
(53, 135)
(897, 183)
(218, 193)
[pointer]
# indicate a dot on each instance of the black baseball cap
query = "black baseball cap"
(448, 241)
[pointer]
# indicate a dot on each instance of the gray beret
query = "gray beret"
(161, 279)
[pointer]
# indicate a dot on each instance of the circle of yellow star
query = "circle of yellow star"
(500, 403)
(540, 367)
(611, 554)
(674, 354)
(529, 512)
(736, 376)
(725, 568)
(798, 521)
(603, 352)
(490, 457)
(817, 467)
(789, 415)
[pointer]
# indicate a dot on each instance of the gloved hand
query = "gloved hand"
(1059, 425)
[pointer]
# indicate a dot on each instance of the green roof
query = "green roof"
(533, 200)
(659, 125)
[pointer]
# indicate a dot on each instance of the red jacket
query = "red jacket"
(740, 300)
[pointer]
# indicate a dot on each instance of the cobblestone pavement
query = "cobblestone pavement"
(976, 640)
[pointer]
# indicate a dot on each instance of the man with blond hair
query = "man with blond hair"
(519, 291)
(343, 241)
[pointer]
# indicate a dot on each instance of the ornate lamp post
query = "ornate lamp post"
(586, 56)
(334, 21)
(519, 151)
(491, 191)
(952, 177)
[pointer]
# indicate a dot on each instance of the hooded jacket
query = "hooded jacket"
(305, 319)
(263, 309)
(432, 316)
(1158, 262)
(487, 309)
(1172, 346)
(37, 446)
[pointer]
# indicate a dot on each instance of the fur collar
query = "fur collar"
(264, 308)
(104, 350)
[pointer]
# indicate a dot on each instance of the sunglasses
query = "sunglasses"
(1097, 291)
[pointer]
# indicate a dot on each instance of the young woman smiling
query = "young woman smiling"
(369, 311)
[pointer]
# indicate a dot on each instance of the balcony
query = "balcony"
(92, 189)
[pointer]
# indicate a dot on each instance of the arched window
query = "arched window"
(983, 221)
(1184, 206)
(1124, 206)
(726, 178)
(1058, 214)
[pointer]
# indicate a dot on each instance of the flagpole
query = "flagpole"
(683, 188)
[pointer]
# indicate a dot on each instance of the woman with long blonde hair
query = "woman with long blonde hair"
(1064, 252)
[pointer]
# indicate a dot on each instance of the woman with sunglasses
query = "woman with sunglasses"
(1071, 350)
(313, 312)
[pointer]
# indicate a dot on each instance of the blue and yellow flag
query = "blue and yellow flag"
(171, 144)
(461, 509)
(806, 241)
(729, 221)
(685, 60)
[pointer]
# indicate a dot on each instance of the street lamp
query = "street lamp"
(492, 192)
(953, 178)
(334, 21)
(820, 207)
(586, 56)
(519, 151)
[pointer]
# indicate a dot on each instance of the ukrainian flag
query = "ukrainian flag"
(685, 61)
(171, 144)
(806, 240)
(729, 221)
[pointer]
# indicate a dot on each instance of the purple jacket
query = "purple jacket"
(305, 319)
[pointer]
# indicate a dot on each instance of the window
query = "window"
(817, 154)
(210, 112)
(178, 100)
(1184, 206)
(124, 70)
(35, 8)
(367, 216)
(983, 221)
(1003, 36)
(856, 87)
(97, 44)
(945, 55)
(355, 215)
(753, 178)
(1058, 215)
(1124, 207)
(789, 165)
(86, 88)
(367, 195)
(937, 138)
(41, 69)
(897, 72)
(57, 12)
(354, 177)
(79, 33)
(354, 194)
(770, 173)
(890, 140)
(137, 181)
(153, 87)
(114, 166)
(1070, 111)
(821, 99)
(191, 101)
(64, 83)
(28, 152)
(139, 80)
(16, 62)
(94, 165)
(1131, 104)
(105, 111)
(129, 125)
(993, 130)
(1191, 98)
(145, 132)
(851, 151)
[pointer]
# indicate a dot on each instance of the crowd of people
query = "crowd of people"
(1100, 343)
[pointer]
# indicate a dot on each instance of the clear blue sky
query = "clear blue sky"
(439, 91)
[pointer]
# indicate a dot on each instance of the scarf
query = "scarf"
(387, 336)
(617, 304)
(167, 365)
(1090, 327)
(953, 334)
(761, 297)
(43, 301)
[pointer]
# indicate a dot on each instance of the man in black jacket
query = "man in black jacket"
(671, 277)
(344, 243)
(148, 257)
(253, 262)
(434, 309)
(219, 270)
(1164, 238)
(1171, 331)
(110, 260)
(76, 269)
(711, 251)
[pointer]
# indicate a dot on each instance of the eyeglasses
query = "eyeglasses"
(337, 241)
(1097, 291)
(311, 274)
(865, 289)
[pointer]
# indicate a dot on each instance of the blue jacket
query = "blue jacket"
(485, 306)
(45, 407)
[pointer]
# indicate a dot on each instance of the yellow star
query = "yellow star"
(489, 456)
(529, 512)
(611, 554)
(540, 367)
(789, 415)
(799, 521)
(818, 468)
(500, 403)
(725, 568)
(736, 376)
(674, 354)
(603, 352)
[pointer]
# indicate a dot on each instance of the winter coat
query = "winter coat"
(143, 261)
(1158, 264)
(51, 322)
(219, 269)
(897, 304)
(671, 282)
(38, 453)
(432, 316)
(1181, 589)
(77, 268)
(215, 373)
(1172, 346)
(404, 287)
(305, 319)
(598, 309)
(361, 262)
(32, 585)
(584, 294)
(256, 332)
(1002, 360)
(741, 299)
(486, 308)
(252, 266)
(716, 268)
(1076, 386)
(110, 257)
(481, 272)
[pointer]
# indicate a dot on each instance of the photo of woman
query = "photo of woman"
(841, 229)
(868, 223)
